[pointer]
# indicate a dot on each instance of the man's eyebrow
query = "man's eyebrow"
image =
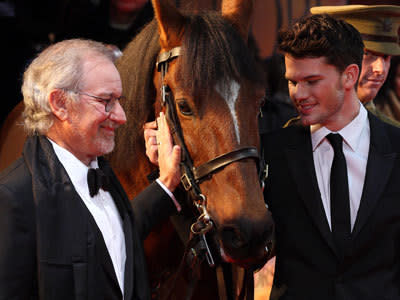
(308, 77)
(313, 76)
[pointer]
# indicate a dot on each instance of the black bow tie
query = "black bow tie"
(97, 179)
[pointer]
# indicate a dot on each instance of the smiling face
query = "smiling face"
(89, 130)
(375, 68)
(316, 90)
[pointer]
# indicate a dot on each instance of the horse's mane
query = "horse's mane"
(213, 52)
(136, 68)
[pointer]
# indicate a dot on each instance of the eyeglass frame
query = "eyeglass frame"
(109, 103)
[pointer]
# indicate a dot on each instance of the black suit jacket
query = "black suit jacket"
(50, 245)
(307, 263)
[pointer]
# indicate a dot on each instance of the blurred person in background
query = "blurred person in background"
(388, 99)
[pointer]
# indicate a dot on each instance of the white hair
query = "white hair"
(59, 66)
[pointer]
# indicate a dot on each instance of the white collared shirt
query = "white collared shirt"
(356, 141)
(101, 207)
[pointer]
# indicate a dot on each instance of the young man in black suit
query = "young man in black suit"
(332, 183)
(67, 230)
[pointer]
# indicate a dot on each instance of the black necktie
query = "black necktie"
(97, 179)
(340, 204)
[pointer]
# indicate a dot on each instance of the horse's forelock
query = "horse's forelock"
(214, 53)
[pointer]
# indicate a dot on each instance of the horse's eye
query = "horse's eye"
(184, 107)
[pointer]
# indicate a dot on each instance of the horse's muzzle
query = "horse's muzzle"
(247, 245)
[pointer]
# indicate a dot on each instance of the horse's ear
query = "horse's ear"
(170, 23)
(238, 12)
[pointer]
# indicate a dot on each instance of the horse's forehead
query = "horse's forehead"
(230, 94)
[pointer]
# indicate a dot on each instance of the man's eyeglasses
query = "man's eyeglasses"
(108, 102)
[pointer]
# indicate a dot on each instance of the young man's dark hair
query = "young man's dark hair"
(321, 35)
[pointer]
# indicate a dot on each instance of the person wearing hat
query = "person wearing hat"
(379, 26)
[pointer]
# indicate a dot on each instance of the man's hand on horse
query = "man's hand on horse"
(150, 137)
(166, 154)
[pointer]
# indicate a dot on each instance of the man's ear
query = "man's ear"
(57, 102)
(350, 76)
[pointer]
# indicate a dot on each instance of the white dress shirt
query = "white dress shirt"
(356, 141)
(101, 207)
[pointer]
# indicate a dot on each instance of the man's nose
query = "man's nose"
(298, 93)
(378, 66)
(117, 114)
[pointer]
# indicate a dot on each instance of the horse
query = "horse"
(198, 69)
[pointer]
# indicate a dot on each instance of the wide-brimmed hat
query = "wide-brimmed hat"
(379, 25)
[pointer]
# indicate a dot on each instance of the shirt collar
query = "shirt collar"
(76, 169)
(351, 133)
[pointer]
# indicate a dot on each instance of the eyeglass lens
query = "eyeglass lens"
(110, 104)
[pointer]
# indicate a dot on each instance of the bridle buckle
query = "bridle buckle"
(187, 184)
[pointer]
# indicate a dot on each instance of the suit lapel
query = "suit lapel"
(379, 166)
(129, 274)
(106, 262)
(61, 216)
(124, 208)
(301, 164)
(127, 228)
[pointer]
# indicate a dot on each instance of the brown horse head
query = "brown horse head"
(217, 89)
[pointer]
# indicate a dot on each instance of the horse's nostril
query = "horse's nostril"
(233, 238)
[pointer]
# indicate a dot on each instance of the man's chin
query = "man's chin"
(106, 147)
(368, 95)
(306, 121)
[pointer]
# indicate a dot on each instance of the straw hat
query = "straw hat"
(379, 25)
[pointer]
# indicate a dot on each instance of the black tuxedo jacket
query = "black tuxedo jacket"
(50, 245)
(307, 264)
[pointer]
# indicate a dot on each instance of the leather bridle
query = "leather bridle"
(192, 176)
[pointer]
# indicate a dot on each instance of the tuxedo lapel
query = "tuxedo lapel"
(124, 209)
(76, 224)
(62, 224)
(104, 255)
(104, 258)
(379, 166)
(301, 164)
(127, 228)
(129, 274)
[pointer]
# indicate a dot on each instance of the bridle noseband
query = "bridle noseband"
(192, 176)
